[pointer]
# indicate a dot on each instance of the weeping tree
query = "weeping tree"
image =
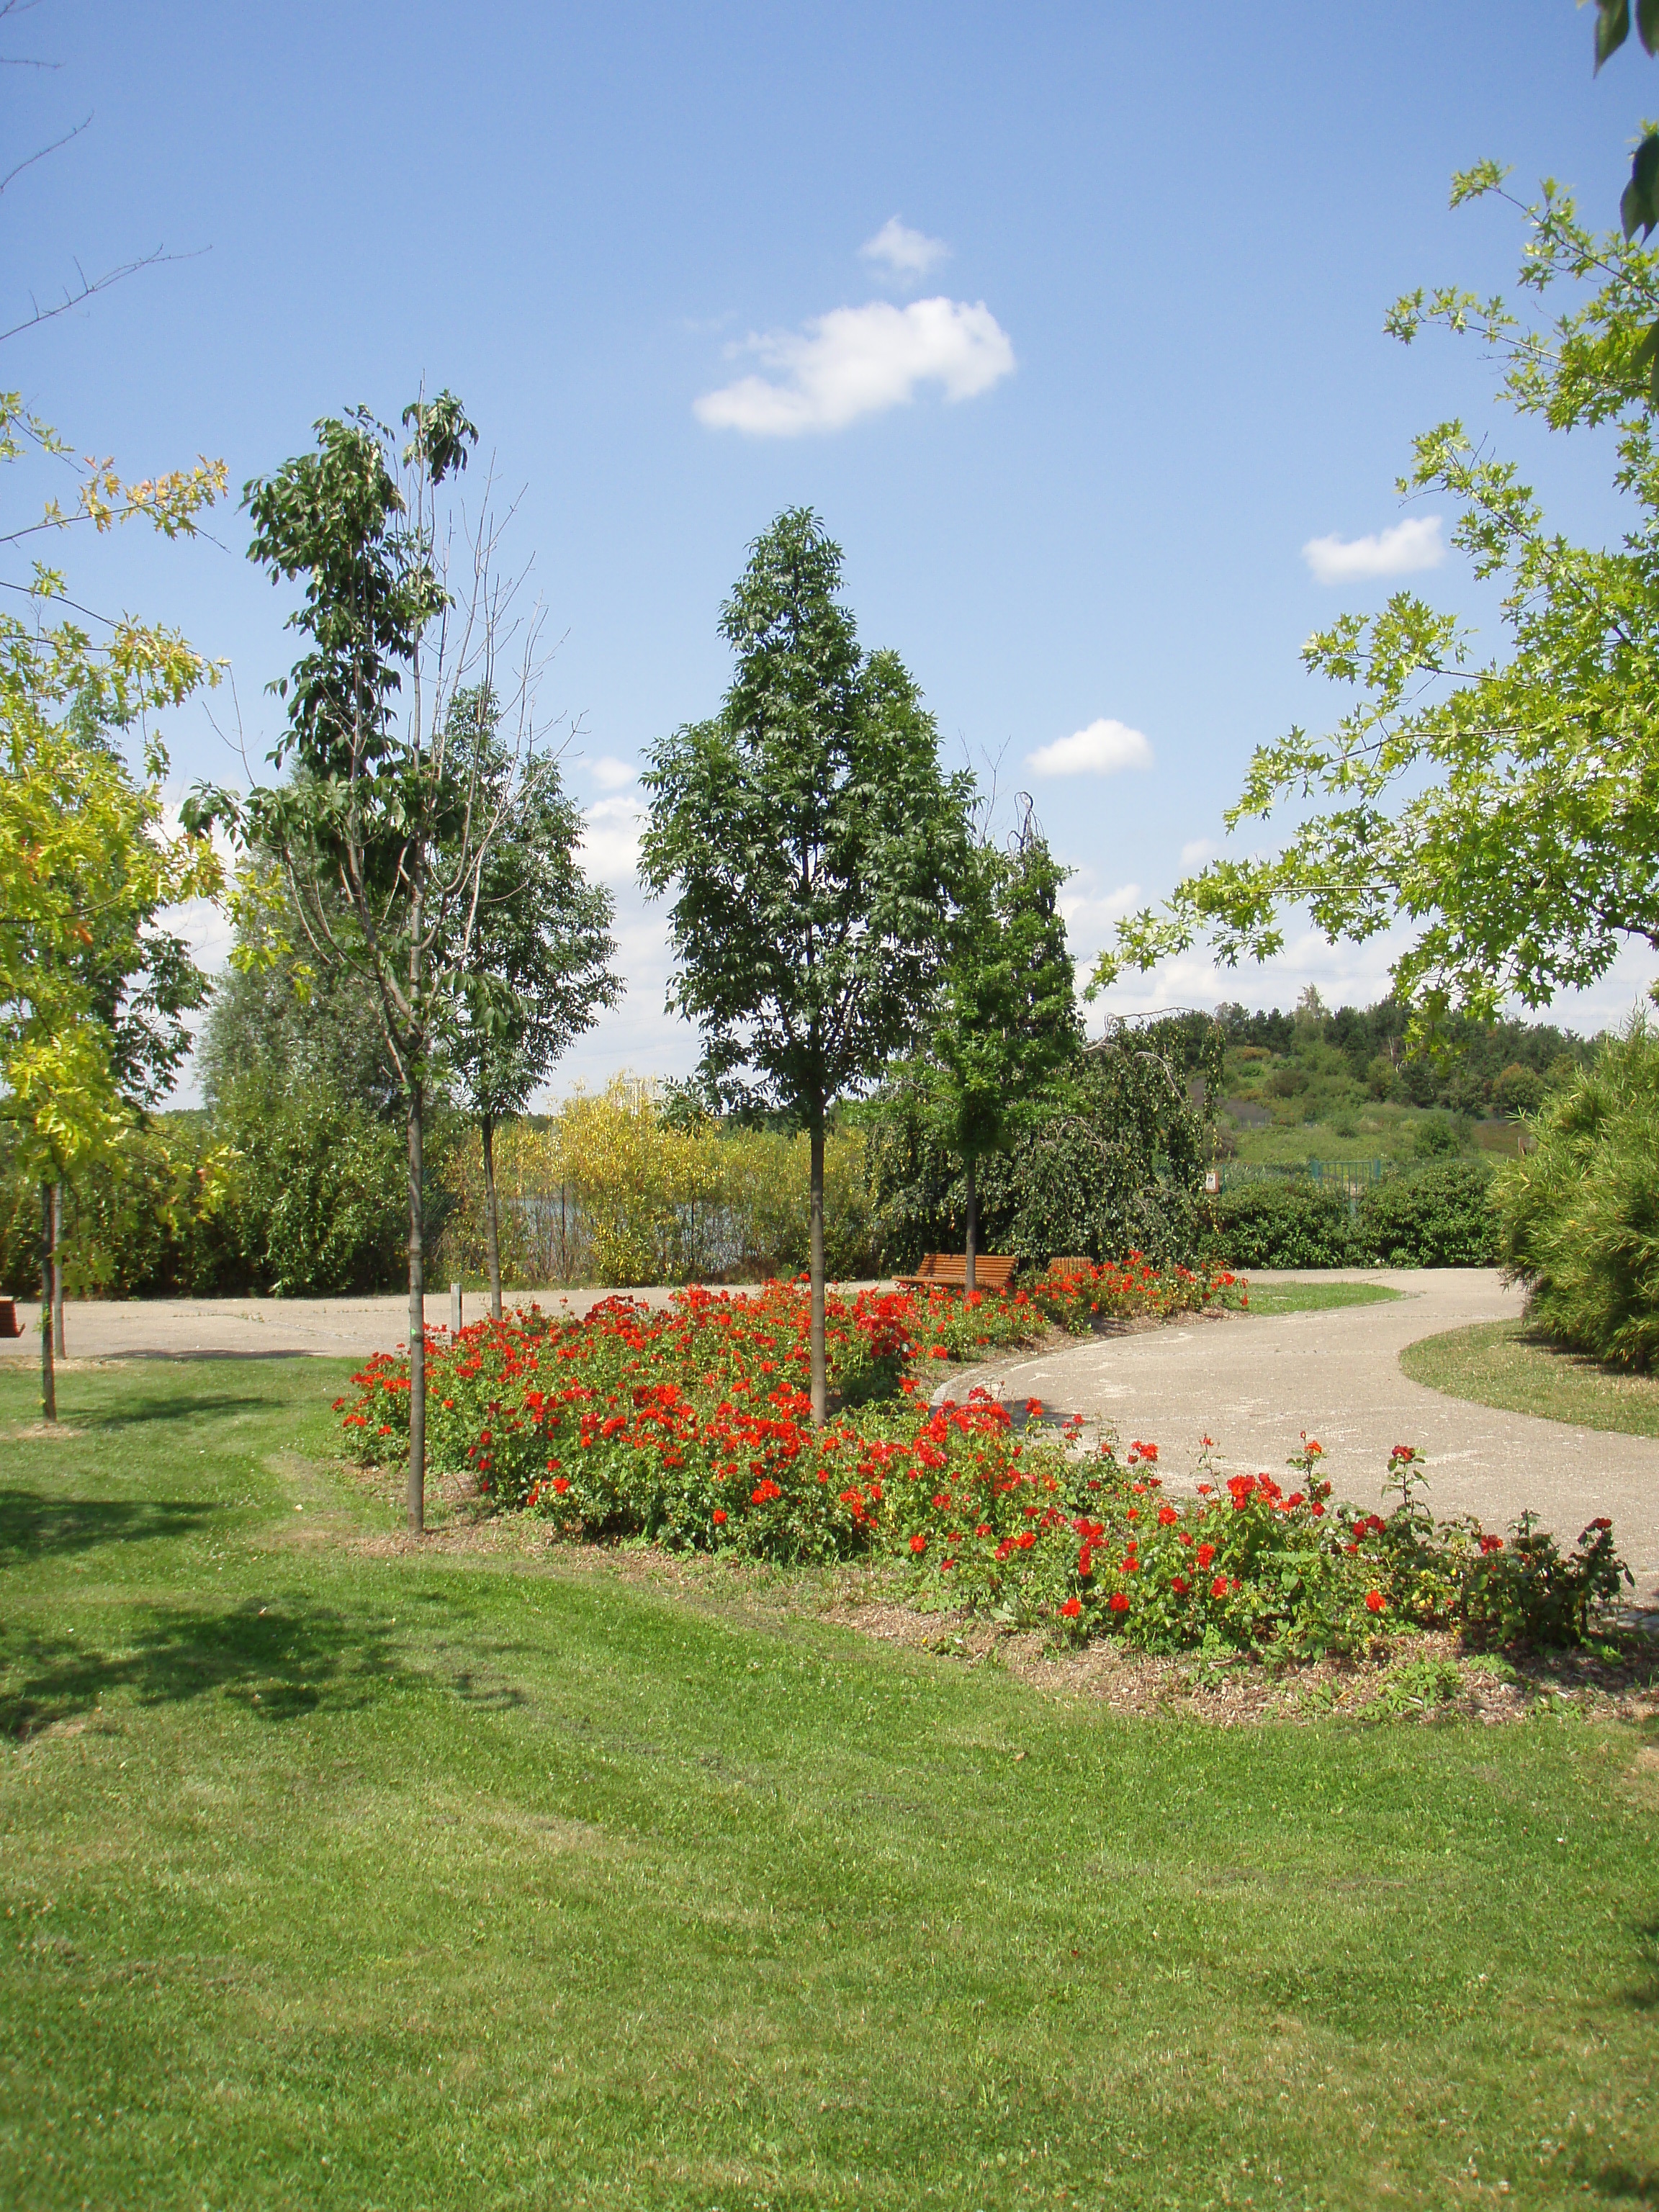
(1112, 1159)
(383, 831)
(536, 976)
(1005, 1024)
(815, 850)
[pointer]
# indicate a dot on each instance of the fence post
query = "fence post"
(454, 1309)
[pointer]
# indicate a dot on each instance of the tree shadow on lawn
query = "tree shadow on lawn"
(36, 1526)
(176, 1408)
(1625, 2185)
(280, 1662)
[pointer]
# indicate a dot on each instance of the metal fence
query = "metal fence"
(1351, 1178)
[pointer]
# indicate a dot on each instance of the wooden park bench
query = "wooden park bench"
(994, 1272)
(1072, 1263)
(9, 1324)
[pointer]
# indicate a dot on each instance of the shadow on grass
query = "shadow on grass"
(177, 1406)
(35, 1526)
(1623, 2184)
(279, 1662)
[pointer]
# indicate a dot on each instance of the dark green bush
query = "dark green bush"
(1278, 1224)
(1442, 1217)
(1580, 1215)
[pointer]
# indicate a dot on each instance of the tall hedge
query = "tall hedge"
(1440, 1217)
(1279, 1224)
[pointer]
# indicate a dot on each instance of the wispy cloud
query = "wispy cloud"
(1193, 855)
(904, 253)
(1101, 749)
(861, 361)
(1414, 543)
(611, 774)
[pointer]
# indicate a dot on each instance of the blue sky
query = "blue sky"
(1120, 362)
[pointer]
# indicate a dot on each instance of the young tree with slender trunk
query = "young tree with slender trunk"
(384, 828)
(538, 976)
(814, 848)
(1005, 1024)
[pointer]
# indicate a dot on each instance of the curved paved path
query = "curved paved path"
(1253, 1383)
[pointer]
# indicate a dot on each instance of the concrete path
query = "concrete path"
(1251, 1383)
(256, 1329)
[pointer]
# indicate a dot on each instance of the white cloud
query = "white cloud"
(1414, 543)
(861, 361)
(611, 774)
(1195, 854)
(610, 839)
(908, 253)
(1101, 749)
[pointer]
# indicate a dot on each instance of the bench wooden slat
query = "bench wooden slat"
(1072, 1263)
(993, 1271)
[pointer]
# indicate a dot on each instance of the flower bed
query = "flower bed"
(689, 1427)
(1133, 1288)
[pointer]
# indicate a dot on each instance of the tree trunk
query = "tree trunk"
(492, 1219)
(815, 1256)
(48, 1374)
(57, 1269)
(417, 1320)
(969, 1280)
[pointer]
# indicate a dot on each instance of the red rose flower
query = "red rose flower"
(1205, 1553)
(1167, 1516)
(1073, 1606)
(720, 1515)
(918, 1543)
(1374, 1601)
(1120, 1603)
(1218, 1587)
(1180, 1585)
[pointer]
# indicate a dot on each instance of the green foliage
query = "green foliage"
(1442, 1217)
(813, 847)
(1580, 1214)
(537, 975)
(811, 844)
(315, 1202)
(1005, 1024)
(1278, 1224)
(1115, 1163)
(1439, 1217)
(1502, 808)
(1519, 1090)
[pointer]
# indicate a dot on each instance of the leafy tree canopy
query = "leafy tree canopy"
(1505, 807)
(811, 841)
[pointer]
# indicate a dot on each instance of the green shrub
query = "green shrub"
(1278, 1224)
(1580, 1214)
(1442, 1217)
(316, 1198)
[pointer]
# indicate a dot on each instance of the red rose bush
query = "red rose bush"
(691, 1426)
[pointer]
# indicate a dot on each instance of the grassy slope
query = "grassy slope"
(1497, 1364)
(379, 1880)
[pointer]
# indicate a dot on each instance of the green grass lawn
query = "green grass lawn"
(1497, 1363)
(1270, 1298)
(342, 1878)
